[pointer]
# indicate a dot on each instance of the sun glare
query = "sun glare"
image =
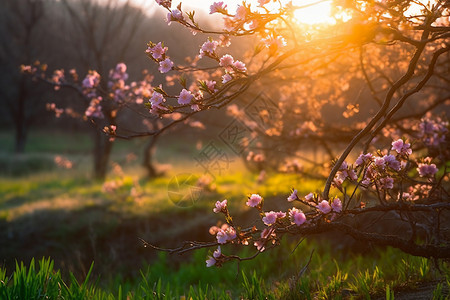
(313, 12)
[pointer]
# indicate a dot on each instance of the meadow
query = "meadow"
(66, 236)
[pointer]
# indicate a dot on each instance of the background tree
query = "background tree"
(21, 27)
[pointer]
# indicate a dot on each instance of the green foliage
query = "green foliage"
(367, 282)
(46, 283)
(389, 293)
(254, 287)
(28, 283)
(333, 290)
(437, 293)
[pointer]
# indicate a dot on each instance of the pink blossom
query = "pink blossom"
(380, 162)
(211, 84)
(280, 215)
(324, 207)
(392, 162)
(293, 196)
(185, 97)
(309, 197)
(95, 109)
(227, 77)
(121, 67)
(433, 132)
(274, 42)
(157, 51)
(225, 234)
(156, 98)
(297, 216)
(241, 13)
(363, 158)
(427, 169)
(208, 47)
(222, 236)
(260, 245)
(270, 218)
(218, 7)
(210, 262)
(165, 65)
(266, 233)
(91, 80)
(336, 205)
(213, 230)
(254, 200)
(231, 233)
(220, 206)
(387, 183)
(345, 172)
(401, 147)
(405, 196)
(226, 61)
(217, 253)
(240, 66)
(174, 15)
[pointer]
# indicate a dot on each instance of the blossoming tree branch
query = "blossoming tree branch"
(398, 50)
(395, 55)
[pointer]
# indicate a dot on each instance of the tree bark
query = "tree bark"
(149, 151)
(102, 152)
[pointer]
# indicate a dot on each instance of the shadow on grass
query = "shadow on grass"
(76, 238)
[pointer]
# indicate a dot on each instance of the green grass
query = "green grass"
(48, 211)
(258, 279)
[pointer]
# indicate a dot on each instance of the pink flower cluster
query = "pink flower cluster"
(221, 206)
(174, 15)
(91, 80)
(433, 132)
(271, 217)
(345, 171)
(157, 51)
(297, 217)
(218, 7)
(95, 109)
(226, 235)
(401, 147)
(208, 48)
(381, 169)
(156, 102)
(117, 78)
(426, 168)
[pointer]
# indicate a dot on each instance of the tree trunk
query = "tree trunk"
(149, 150)
(102, 152)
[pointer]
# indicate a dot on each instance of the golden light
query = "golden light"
(313, 12)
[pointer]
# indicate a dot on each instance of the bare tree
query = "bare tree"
(20, 29)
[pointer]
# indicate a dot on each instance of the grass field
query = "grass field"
(62, 214)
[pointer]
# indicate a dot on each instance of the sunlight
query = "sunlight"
(313, 12)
